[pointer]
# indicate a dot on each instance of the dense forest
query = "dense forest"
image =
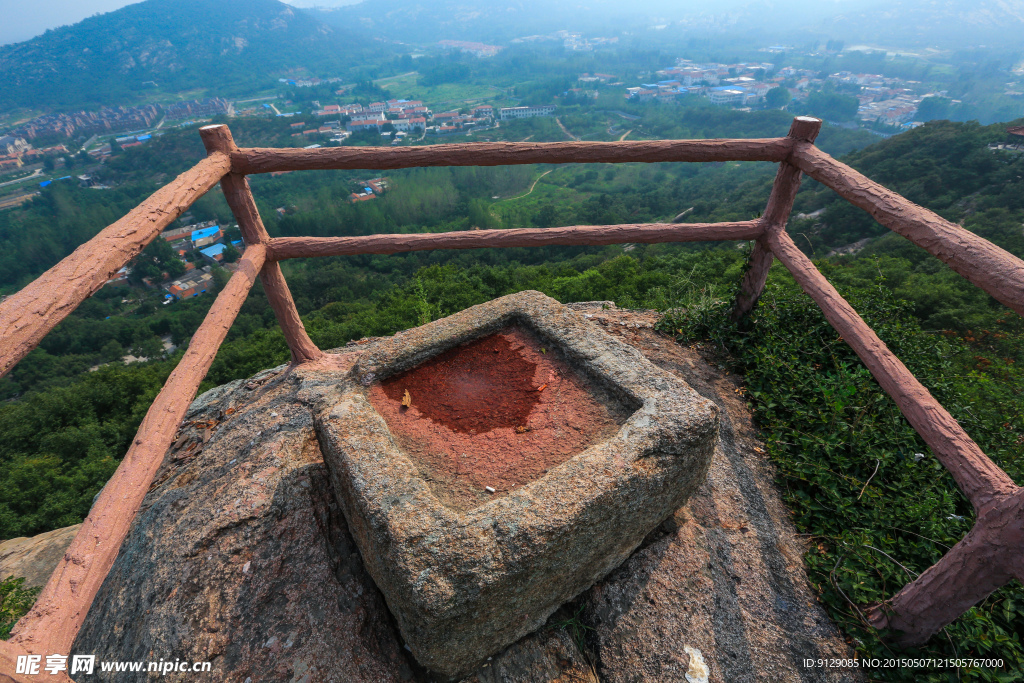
(827, 424)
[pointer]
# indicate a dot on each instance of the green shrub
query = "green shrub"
(15, 602)
(831, 430)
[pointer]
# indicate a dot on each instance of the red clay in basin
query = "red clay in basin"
(495, 412)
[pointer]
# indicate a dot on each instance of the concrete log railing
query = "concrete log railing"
(282, 248)
(987, 266)
(27, 316)
(989, 556)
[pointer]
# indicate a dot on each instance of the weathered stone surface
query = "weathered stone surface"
(724, 574)
(240, 556)
(547, 656)
(35, 558)
(180, 587)
(462, 586)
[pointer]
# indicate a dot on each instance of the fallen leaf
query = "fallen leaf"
(406, 399)
(543, 350)
(522, 429)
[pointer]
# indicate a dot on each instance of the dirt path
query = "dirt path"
(625, 134)
(566, 130)
(531, 187)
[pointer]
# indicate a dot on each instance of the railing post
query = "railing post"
(239, 197)
(53, 622)
(776, 215)
(986, 559)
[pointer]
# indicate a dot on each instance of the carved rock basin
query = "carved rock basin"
(614, 447)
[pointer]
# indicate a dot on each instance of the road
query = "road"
(38, 172)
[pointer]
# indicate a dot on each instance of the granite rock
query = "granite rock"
(246, 483)
(35, 558)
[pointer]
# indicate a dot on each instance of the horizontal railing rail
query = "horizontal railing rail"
(282, 248)
(985, 265)
(271, 160)
(26, 317)
(990, 555)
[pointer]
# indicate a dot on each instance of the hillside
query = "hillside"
(175, 45)
(930, 23)
(903, 23)
(501, 22)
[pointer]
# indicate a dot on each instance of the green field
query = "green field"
(450, 95)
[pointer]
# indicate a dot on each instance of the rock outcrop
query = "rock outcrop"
(35, 558)
(241, 557)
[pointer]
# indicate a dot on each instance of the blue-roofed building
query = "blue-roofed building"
(206, 236)
(214, 252)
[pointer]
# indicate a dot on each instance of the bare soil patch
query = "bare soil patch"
(496, 412)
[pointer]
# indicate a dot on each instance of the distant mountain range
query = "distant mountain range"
(233, 47)
(180, 45)
(934, 23)
(897, 23)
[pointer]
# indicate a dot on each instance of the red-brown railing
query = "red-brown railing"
(989, 556)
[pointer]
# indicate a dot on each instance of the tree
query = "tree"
(932, 108)
(546, 217)
(230, 254)
(111, 350)
(831, 106)
(777, 98)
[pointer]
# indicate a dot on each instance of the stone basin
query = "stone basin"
(533, 455)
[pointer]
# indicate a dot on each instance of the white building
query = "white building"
(727, 95)
(506, 113)
(367, 116)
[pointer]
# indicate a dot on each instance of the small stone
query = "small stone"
(489, 489)
(698, 671)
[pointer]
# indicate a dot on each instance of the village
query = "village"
(882, 100)
(398, 119)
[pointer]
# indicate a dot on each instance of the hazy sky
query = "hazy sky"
(23, 19)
